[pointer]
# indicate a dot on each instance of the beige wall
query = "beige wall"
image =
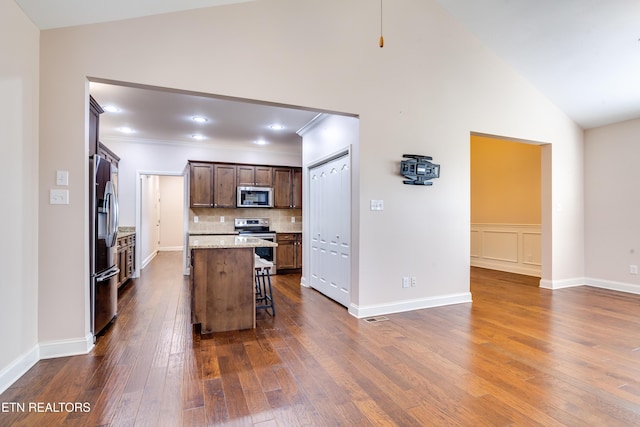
(612, 205)
(505, 181)
(171, 212)
(424, 93)
(19, 86)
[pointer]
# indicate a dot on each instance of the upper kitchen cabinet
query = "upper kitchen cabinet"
(224, 185)
(201, 185)
(94, 125)
(287, 188)
(254, 176)
(106, 153)
(212, 185)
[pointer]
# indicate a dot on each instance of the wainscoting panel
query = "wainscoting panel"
(514, 248)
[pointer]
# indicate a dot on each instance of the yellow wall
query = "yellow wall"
(505, 181)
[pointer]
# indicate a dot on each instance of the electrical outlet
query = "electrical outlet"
(405, 282)
(633, 269)
(195, 219)
(414, 281)
(221, 219)
(293, 220)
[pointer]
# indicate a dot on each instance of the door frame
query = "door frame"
(185, 215)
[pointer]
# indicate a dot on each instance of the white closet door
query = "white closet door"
(330, 226)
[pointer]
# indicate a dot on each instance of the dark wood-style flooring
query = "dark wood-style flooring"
(518, 355)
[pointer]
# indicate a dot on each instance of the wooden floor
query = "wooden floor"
(518, 355)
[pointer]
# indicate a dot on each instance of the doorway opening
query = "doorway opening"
(508, 198)
(160, 215)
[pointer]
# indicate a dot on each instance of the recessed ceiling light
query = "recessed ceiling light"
(126, 130)
(199, 119)
(260, 142)
(276, 126)
(198, 137)
(111, 109)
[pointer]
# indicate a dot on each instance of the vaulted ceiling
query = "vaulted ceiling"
(584, 55)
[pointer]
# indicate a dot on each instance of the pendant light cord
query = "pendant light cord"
(381, 38)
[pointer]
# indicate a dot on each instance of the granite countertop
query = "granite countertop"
(210, 233)
(126, 231)
(227, 242)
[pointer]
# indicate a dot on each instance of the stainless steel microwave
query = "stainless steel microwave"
(255, 197)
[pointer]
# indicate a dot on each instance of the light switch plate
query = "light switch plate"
(377, 205)
(62, 178)
(58, 197)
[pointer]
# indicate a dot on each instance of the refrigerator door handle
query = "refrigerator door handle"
(111, 202)
(103, 277)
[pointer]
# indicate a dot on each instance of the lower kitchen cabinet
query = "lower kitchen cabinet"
(289, 251)
(126, 258)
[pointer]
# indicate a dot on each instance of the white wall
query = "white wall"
(424, 93)
(149, 216)
(19, 86)
(612, 205)
(171, 213)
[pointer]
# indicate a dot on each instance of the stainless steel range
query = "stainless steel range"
(260, 228)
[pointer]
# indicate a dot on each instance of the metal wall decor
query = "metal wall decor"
(418, 169)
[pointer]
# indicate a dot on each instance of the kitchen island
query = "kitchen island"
(222, 284)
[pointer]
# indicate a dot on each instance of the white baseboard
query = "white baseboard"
(560, 284)
(18, 368)
(170, 248)
(408, 305)
(521, 268)
(64, 348)
(614, 286)
(147, 260)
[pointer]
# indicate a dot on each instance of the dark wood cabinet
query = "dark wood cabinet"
(287, 188)
(213, 185)
(296, 188)
(258, 176)
(222, 291)
(224, 184)
(201, 185)
(94, 125)
(126, 258)
(289, 251)
(106, 153)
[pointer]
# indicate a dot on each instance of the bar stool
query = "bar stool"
(264, 294)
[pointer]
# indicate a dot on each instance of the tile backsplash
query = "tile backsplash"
(209, 219)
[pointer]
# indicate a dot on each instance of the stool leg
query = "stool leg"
(258, 286)
(273, 308)
(265, 297)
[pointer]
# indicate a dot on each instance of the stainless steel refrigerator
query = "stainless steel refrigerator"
(103, 210)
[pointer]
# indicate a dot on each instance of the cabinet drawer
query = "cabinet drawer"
(285, 237)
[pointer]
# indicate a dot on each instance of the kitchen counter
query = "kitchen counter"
(126, 231)
(227, 242)
(222, 282)
(210, 233)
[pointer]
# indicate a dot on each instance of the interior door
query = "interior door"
(330, 227)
